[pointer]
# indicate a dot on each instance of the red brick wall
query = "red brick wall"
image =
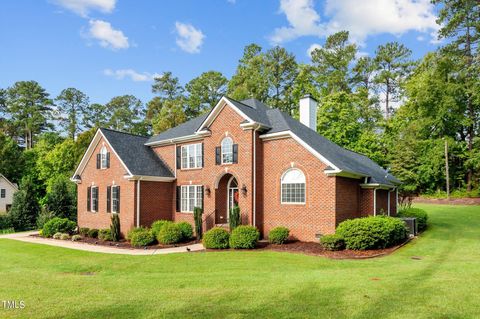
(366, 202)
(91, 176)
(382, 201)
(393, 204)
(155, 201)
(306, 220)
(347, 198)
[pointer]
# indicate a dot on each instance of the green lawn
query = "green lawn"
(445, 283)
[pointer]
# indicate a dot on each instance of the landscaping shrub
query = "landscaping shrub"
(234, 218)
(158, 225)
(134, 230)
(92, 233)
(115, 227)
(61, 198)
(186, 229)
(419, 214)
(76, 237)
(372, 232)
(105, 234)
(25, 208)
(244, 237)
(5, 222)
(216, 238)
(7, 231)
(64, 236)
(58, 225)
(197, 216)
(333, 242)
(84, 231)
(169, 234)
(278, 235)
(44, 217)
(141, 237)
(57, 235)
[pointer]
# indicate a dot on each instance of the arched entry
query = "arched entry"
(226, 197)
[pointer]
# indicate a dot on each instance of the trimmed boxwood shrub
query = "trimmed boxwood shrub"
(141, 237)
(419, 214)
(169, 234)
(278, 235)
(244, 237)
(134, 230)
(372, 232)
(92, 233)
(333, 242)
(158, 225)
(83, 231)
(186, 229)
(105, 234)
(58, 225)
(216, 238)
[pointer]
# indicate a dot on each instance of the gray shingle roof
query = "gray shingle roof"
(278, 121)
(139, 159)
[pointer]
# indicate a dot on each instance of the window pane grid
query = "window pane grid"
(227, 151)
(191, 156)
(293, 193)
(190, 197)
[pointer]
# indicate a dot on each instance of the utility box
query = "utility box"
(411, 224)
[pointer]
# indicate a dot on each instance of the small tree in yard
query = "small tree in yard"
(197, 216)
(115, 227)
(234, 218)
(25, 208)
(61, 199)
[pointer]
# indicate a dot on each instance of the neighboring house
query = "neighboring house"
(7, 189)
(279, 171)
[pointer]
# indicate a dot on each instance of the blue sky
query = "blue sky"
(114, 47)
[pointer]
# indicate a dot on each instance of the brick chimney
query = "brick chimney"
(308, 112)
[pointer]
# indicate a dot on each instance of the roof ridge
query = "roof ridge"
(121, 132)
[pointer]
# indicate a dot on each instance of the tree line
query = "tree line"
(397, 110)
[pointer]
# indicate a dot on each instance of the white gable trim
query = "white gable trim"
(216, 111)
(88, 154)
(149, 178)
(187, 138)
(10, 183)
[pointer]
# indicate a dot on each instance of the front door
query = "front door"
(233, 194)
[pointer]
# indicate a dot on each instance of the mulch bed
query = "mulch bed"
(122, 243)
(315, 249)
(452, 201)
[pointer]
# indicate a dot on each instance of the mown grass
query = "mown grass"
(443, 283)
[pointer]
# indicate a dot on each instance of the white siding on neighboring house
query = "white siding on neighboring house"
(7, 190)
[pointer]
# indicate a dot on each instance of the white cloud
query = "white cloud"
(232, 1)
(311, 48)
(107, 35)
(189, 38)
(83, 7)
(129, 73)
(361, 19)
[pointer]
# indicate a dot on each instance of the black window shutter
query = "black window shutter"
(235, 153)
(95, 195)
(89, 192)
(201, 187)
(108, 159)
(98, 161)
(179, 157)
(203, 157)
(178, 198)
(218, 157)
(118, 199)
(109, 199)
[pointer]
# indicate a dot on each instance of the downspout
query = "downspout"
(374, 202)
(138, 202)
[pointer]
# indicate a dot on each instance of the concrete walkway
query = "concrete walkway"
(25, 237)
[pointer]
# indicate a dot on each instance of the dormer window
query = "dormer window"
(227, 150)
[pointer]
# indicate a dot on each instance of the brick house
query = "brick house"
(278, 170)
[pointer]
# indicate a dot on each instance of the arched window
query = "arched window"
(103, 157)
(227, 150)
(293, 187)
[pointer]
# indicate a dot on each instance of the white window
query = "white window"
(192, 156)
(94, 198)
(103, 157)
(227, 150)
(293, 187)
(3, 193)
(190, 197)
(115, 198)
